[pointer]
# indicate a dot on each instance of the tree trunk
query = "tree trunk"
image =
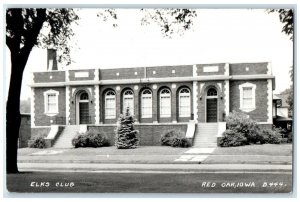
(13, 117)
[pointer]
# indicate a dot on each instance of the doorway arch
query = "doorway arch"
(212, 105)
(82, 108)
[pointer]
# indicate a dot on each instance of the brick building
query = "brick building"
(192, 98)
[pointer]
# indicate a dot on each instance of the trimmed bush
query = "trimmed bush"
(38, 142)
(91, 138)
(271, 136)
(175, 139)
(180, 142)
(232, 138)
(168, 138)
(242, 124)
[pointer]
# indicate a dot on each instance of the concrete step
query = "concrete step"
(65, 139)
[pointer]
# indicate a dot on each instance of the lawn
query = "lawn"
(265, 149)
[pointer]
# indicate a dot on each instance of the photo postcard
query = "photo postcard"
(149, 100)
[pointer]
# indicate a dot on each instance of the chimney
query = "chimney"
(51, 60)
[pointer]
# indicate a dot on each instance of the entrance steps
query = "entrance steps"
(206, 135)
(65, 138)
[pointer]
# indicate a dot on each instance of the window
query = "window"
(128, 101)
(247, 97)
(184, 103)
(146, 104)
(110, 105)
(84, 96)
(51, 102)
(212, 92)
(165, 103)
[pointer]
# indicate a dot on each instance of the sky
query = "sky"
(217, 36)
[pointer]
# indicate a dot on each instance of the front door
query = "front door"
(212, 110)
(83, 113)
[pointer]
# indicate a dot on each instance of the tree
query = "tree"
(29, 27)
(23, 32)
(290, 98)
(286, 16)
(126, 135)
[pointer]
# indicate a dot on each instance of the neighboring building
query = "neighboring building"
(25, 130)
(161, 98)
(281, 116)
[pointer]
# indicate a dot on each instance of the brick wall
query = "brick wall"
(39, 132)
(122, 73)
(260, 114)
(52, 76)
(253, 68)
(89, 72)
(201, 67)
(42, 119)
(170, 71)
(149, 135)
(25, 131)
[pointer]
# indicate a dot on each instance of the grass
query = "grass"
(265, 149)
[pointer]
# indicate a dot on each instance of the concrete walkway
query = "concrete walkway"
(161, 168)
(150, 155)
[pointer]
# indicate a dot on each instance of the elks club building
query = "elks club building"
(192, 98)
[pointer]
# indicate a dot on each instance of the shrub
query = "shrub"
(168, 138)
(38, 142)
(91, 138)
(242, 124)
(271, 136)
(175, 139)
(180, 142)
(289, 137)
(232, 138)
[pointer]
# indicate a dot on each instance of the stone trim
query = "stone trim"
(67, 105)
(154, 80)
(270, 101)
(46, 93)
(97, 105)
(32, 118)
(226, 97)
(253, 86)
(195, 100)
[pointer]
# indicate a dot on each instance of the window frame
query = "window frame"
(160, 103)
(180, 95)
(46, 102)
(128, 96)
(253, 96)
(106, 97)
(143, 96)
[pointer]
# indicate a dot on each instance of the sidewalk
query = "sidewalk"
(279, 155)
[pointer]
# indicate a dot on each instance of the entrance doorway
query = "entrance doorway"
(212, 105)
(83, 116)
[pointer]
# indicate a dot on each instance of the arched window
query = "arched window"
(110, 105)
(84, 96)
(184, 103)
(146, 100)
(128, 102)
(165, 103)
(212, 92)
